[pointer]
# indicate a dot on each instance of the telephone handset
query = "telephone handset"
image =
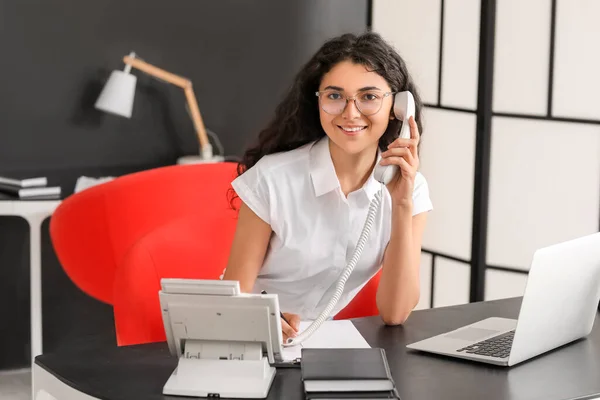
(404, 108)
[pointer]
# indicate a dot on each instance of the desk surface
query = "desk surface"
(571, 372)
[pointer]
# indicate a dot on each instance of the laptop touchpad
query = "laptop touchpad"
(471, 334)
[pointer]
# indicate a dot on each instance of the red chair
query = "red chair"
(117, 240)
(93, 230)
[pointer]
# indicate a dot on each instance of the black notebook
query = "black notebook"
(388, 394)
(346, 370)
(24, 183)
(42, 192)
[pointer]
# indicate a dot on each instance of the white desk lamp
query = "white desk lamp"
(119, 92)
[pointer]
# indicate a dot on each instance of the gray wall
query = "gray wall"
(56, 54)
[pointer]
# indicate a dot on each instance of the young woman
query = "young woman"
(306, 187)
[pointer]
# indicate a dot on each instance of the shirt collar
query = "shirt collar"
(322, 172)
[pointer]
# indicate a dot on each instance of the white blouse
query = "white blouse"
(315, 227)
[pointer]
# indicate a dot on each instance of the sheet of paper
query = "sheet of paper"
(330, 335)
(85, 182)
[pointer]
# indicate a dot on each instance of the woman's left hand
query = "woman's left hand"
(403, 153)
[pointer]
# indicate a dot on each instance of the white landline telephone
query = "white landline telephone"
(404, 108)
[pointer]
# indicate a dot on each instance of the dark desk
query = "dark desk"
(572, 372)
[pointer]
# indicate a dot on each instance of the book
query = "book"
(346, 370)
(43, 192)
(24, 183)
(389, 394)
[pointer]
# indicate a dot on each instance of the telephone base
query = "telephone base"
(221, 378)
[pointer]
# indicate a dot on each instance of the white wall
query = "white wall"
(544, 167)
(545, 174)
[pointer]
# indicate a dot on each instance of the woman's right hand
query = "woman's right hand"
(290, 330)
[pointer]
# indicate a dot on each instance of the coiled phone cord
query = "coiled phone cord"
(339, 290)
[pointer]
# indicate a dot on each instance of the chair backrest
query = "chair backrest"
(92, 230)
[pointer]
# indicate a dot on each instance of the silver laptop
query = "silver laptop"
(559, 306)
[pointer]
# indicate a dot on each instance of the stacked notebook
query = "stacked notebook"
(31, 189)
(347, 374)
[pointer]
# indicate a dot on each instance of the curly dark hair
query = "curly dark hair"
(296, 120)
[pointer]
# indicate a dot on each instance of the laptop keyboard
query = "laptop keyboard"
(498, 346)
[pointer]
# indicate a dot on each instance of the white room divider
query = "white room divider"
(511, 144)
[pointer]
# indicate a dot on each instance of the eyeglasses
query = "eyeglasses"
(368, 102)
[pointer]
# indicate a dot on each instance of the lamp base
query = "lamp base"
(199, 160)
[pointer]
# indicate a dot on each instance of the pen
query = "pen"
(280, 313)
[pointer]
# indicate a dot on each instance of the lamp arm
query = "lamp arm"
(186, 85)
(197, 119)
(157, 72)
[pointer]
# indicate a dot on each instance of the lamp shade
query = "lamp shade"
(118, 94)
